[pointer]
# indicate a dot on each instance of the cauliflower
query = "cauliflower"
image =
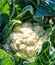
(25, 40)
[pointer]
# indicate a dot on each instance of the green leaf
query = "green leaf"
(17, 9)
(20, 2)
(51, 3)
(24, 12)
(4, 19)
(19, 60)
(27, 8)
(4, 7)
(46, 8)
(7, 29)
(4, 13)
(52, 38)
(53, 58)
(5, 58)
(34, 3)
(43, 58)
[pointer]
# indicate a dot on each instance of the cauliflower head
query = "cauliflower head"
(25, 40)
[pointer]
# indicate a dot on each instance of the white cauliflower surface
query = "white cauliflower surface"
(25, 40)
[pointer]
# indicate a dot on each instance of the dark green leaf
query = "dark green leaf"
(24, 11)
(7, 29)
(4, 13)
(46, 8)
(4, 19)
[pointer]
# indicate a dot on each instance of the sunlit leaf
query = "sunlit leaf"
(5, 58)
(4, 7)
